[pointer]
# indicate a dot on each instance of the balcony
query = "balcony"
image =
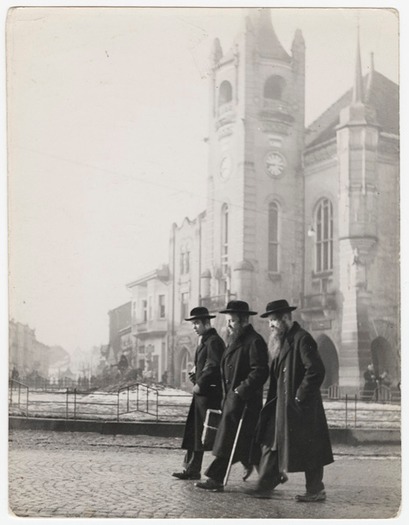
(151, 327)
(318, 305)
(226, 114)
(216, 302)
(141, 326)
(276, 109)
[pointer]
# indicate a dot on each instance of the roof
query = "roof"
(161, 273)
(380, 93)
(267, 42)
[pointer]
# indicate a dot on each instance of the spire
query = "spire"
(358, 91)
(372, 63)
(370, 80)
(298, 39)
(267, 43)
(217, 51)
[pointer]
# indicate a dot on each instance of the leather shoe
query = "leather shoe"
(312, 496)
(283, 477)
(248, 470)
(185, 475)
(210, 484)
(267, 492)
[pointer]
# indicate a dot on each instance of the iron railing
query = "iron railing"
(143, 402)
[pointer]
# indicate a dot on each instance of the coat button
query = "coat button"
(227, 381)
(284, 369)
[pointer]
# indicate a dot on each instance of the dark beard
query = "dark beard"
(274, 346)
(233, 336)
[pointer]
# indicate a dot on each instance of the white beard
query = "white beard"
(274, 346)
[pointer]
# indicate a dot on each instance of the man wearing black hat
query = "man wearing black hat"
(292, 431)
(207, 390)
(244, 371)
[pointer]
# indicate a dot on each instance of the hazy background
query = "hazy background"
(107, 112)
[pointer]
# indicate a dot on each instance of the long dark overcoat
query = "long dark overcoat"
(245, 368)
(207, 361)
(297, 430)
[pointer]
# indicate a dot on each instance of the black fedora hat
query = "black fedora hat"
(278, 306)
(200, 312)
(237, 307)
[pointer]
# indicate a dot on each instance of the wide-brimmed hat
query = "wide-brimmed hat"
(278, 306)
(237, 307)
(200, 312)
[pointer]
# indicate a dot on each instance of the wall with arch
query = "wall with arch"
(329, 356)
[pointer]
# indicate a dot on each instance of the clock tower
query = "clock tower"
(255, 229)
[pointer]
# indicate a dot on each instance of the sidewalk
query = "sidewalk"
(72, 474)
(347, 436)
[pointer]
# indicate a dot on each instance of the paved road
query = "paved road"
(70, 474)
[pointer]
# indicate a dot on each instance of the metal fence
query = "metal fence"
(143, 402)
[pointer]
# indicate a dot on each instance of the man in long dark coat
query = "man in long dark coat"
(244, 372)
(292, 430)
(207, 390)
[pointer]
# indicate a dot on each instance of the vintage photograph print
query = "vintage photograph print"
(204, 263)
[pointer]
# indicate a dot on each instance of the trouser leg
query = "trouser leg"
(269, 475)
(313, 480)
(192, 462)
(217, 469)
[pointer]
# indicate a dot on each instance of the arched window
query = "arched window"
(324, 239)
(274, 87)
(225, 92)
(273, 245)
(225, 237)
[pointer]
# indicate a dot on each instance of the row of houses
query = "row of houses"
(30, 358)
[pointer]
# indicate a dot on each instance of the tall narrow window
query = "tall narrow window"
(162, 310)
(150, 305)
(324, 242)
(225, 238)
(273, 217)
(225, 92)
(182, 262)
(144, 310)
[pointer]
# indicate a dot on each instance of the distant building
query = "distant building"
(21, 348)
(120, 335)
(150, 322)
(26, 353)
(59, 363)
(307, 214)
(41, 358)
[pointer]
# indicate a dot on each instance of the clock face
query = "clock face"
(275, 164)
(225, 167)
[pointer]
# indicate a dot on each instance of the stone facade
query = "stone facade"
(307, 214)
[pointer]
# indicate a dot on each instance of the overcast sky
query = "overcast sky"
(108, 109)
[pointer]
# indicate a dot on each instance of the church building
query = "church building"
(306, 214)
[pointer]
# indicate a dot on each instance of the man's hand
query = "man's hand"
(196, 389)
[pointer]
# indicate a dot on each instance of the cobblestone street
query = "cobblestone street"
(71, 474)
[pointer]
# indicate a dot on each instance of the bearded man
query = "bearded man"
(244, 368)
(292, 431)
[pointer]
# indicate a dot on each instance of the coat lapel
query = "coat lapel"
(287, 344)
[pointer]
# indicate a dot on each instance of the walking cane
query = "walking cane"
(226, 477)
